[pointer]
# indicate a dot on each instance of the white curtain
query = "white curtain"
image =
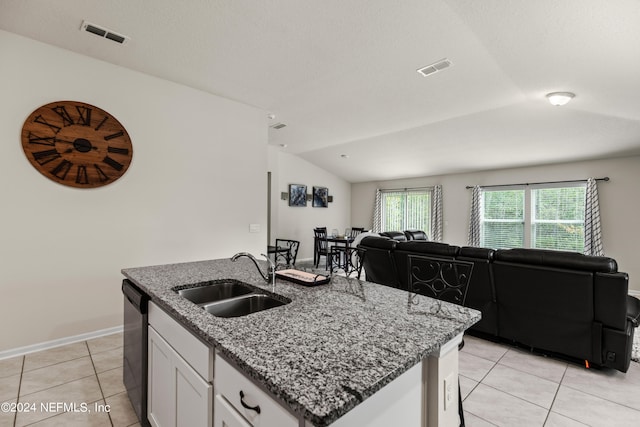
(377, 213)
(474, 221)
(592, 234)
(436, 217)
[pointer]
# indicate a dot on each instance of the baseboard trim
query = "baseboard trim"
(20, 351)
(635, 294)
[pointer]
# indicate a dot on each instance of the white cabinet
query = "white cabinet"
(242, 401)
(178, 395)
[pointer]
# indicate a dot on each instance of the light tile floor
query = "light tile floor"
(86, 374)
(506, 386)
(501, 386)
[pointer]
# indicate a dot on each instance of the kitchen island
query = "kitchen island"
(333, 349)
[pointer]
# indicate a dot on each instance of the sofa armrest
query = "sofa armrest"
(633, 310)
(610, 298)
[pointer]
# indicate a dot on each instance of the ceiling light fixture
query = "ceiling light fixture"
(560, 98)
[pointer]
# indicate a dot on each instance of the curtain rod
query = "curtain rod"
(606, 178)
(407, 189)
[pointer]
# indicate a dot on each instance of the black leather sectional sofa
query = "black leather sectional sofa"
(560, 303)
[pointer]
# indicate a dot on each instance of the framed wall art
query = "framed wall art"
(320, 197)
(297, 195)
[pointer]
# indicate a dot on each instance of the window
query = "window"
(503, 221)
(539, 217)
(557, 218)
(404, 210)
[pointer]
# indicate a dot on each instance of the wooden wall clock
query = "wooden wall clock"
(76, 144)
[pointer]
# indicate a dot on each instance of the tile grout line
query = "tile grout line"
(555, 395)
(15, 420)
(520, 370)
(15, 415)
(48, 388)
(601, 398)
(95, 371)
(509, 394)
(476, 386)
(480, 382)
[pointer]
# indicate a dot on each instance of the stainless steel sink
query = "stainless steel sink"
(230, 298)
(212, 291)
(243, 305)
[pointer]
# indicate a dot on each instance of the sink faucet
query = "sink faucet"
(270, 277)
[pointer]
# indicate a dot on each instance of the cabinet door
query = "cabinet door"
(193, 396)
(161, 390)
(177, 395)
(225, 415)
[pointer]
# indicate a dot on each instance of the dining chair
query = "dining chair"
(442, 279)
(321, 246)
(287, 258)
(355, 231)
(348, 259)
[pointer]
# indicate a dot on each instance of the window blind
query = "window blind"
(502, 221)
(541, 217)
(557, 219)
(404, 210)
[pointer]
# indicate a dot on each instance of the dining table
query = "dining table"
(344, 241)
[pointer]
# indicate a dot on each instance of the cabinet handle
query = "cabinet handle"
(253, 408)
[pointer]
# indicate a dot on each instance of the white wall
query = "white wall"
(196, 182)
(619, 201)
(297, 223)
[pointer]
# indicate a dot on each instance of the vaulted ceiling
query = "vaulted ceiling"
(342, 74)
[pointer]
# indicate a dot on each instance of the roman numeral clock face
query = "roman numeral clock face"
(76, 144)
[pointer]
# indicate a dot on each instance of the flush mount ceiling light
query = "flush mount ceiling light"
(560, 98)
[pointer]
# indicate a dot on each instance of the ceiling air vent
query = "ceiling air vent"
(278, 126)
(435, 67)
(103, 32)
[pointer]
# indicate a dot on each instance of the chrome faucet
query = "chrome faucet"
(270, 277)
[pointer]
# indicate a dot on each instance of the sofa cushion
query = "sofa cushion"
(479, 253)
(424, 247)
(378, 242)
(379, 265)
(395, 235)
(559, 259)
(416, 235)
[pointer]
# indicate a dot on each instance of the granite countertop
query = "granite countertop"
(325, 352)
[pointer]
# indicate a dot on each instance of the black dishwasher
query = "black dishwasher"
(134, 369)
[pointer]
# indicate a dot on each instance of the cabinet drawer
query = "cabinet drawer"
(195, 352)
(232, 384)
(225, 415)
